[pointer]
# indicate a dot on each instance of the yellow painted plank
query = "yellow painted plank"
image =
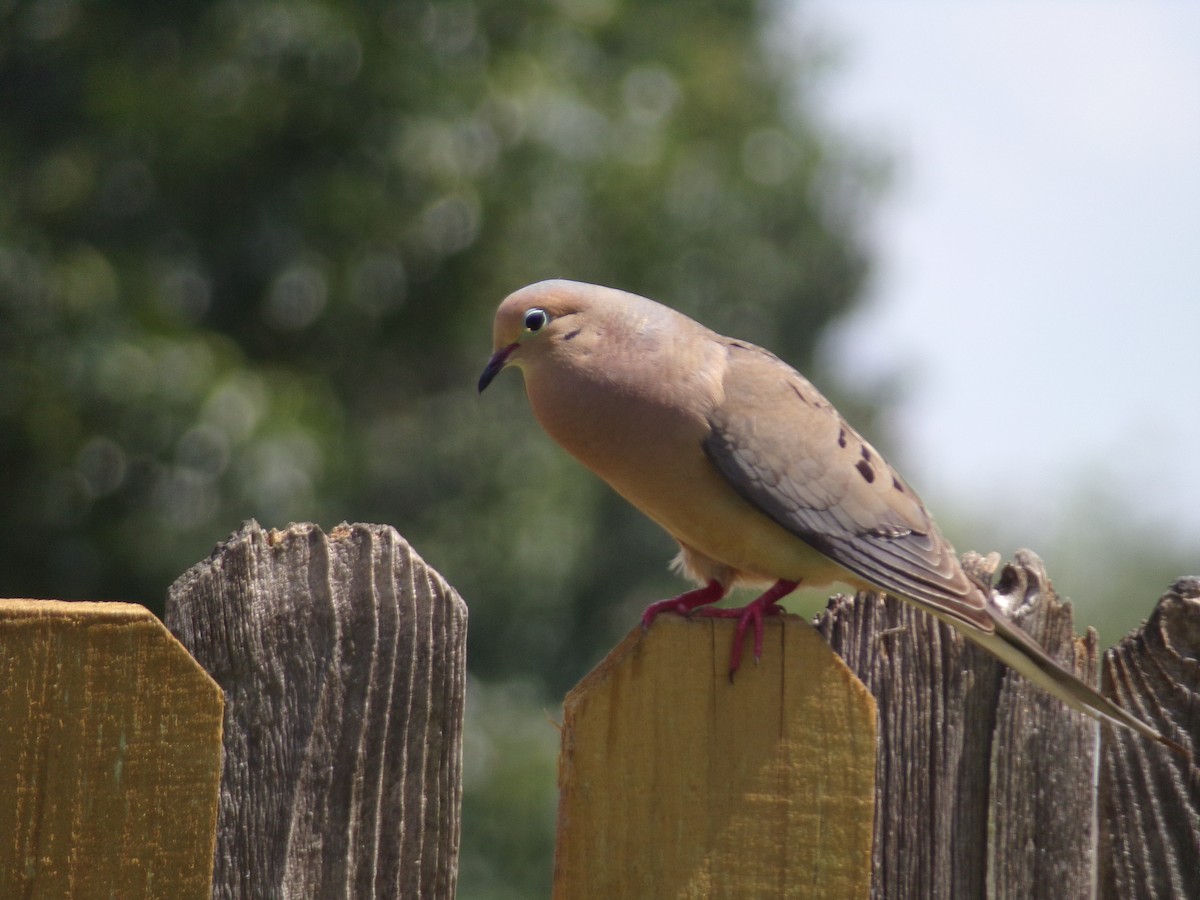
(110, 742)
(675, 783)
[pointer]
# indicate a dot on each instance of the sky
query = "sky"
(1035, 302)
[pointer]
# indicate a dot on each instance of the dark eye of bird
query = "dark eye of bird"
(535, 320)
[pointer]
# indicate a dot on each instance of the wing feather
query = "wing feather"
(786, 450)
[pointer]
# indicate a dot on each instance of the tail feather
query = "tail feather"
(1023, 654)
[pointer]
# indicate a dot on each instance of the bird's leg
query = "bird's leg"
(685, 603)
(766, 604)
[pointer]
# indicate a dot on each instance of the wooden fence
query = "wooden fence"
(900, 763)
(341, 659)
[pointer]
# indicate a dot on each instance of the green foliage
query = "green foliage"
(511, 792)
(249, 253)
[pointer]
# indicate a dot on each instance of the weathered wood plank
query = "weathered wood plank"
(110, 753)
(967, 754)
(342, 658)
(1149, 796)
(676, 783)
(935, 697)
(1042, 804)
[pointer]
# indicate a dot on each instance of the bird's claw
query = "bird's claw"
(685, 603)
(755, 614)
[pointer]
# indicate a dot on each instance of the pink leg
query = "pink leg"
(767, 604)
(684, 603)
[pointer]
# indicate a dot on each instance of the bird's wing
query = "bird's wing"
(787, 451)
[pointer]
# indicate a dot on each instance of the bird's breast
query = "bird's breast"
(648, 445)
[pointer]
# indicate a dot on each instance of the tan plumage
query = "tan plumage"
(743, 462)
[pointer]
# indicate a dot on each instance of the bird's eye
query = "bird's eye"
(535, 320)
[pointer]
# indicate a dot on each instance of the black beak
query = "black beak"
(498, 361)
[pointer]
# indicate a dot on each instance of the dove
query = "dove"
(743, 462)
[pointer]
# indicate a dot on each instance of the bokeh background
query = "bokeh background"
(249, 254)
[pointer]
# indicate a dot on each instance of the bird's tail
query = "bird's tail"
(1023, 654)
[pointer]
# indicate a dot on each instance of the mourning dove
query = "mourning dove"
(747, 466)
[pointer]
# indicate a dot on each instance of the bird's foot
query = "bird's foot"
(684, 603)
(753, 613)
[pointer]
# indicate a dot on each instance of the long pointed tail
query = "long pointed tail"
(1025, 655)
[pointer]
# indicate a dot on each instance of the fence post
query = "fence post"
(673, 783)
(1041, 795)
(110, 742)
(1150, 797)
(984, 782)
(676, 783)
(342, 658)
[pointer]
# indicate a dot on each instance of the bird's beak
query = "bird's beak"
(498, 361)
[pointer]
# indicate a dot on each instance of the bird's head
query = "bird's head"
(532, 321)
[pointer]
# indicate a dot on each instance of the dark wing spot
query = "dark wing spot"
(796, 391)
(842, 437)
(897, 484)
(865, 470)
(866, 453)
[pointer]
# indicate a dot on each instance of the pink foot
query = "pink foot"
(767, 604)
(684, 603)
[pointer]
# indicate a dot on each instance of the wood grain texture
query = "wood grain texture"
(110, 742)
(1041, 803)
(969, 756)
(676, 783)
(936, 698)
(342, 658)
(1149, 796)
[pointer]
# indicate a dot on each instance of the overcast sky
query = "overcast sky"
(1038, 257)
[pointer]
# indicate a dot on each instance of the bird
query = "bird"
(745, 464)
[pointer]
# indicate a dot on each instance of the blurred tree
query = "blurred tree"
(249, 253)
